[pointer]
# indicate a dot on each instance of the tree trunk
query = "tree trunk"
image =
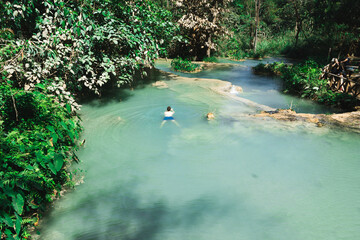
(257, 13)
(298, 22)
(208, 51)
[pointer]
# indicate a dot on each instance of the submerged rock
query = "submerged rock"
(350, 120)
(160, 84)
(235, 89)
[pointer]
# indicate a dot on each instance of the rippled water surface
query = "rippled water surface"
(230, 179)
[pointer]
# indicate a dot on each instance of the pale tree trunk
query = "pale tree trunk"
(257, 13)
(298, 21)
(208, 51)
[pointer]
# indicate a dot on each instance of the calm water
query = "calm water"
(236, 178)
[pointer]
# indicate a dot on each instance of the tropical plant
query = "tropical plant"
(304, 81)
(184, 65)
(210, 59)
(38, 140)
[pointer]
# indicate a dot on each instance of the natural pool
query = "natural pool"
(232, 178)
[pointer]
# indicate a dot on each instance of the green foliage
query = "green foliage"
(299, 29)
(183, 65)
(51, 53)
(304, 80)
(37, 149)
(210, 59)
(79, 48)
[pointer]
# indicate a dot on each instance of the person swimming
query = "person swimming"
(168, 115)
(210, 116)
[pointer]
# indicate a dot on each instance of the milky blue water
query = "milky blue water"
(234, 178)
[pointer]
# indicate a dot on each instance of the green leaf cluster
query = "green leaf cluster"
(81, 47)
(304, 80)
(184, 65)
(37, 147)
(211, 59)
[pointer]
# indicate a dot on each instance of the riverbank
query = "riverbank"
(348, 121)
(306, 80)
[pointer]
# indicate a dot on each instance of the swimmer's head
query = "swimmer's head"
(168, 108)
(210, 116)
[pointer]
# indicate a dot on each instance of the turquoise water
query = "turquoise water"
(261, 89)
(237, 177)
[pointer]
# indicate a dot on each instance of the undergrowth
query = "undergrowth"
(183, 65)
(304, 80)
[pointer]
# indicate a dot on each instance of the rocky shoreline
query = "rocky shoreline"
(349, 120)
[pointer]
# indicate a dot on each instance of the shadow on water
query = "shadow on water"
(121, 213)
(110, 93)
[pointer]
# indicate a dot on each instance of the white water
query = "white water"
(232, 178)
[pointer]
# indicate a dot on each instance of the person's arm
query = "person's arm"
(346, 60)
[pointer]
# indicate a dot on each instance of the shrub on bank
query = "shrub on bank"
(210, 59)
(238, 46)
(38, 139)
(304, 81)
(183, 65)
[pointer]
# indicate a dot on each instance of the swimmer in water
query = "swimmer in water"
(168, 115)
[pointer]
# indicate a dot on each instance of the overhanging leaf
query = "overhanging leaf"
(7, 220)
(50, 128)
(59, 161)
(54, 137)
(52, 168)
(18, 224)
(18, 203)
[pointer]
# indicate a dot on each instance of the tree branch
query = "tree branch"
(14, 104)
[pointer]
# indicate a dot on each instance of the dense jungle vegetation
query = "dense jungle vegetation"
(54, 52)
(303, 80)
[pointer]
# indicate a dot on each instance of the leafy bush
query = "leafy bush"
(83, 51)
(38, 138)
(238, 46)
(210, 59)
(304, 80)
(183, 65)
(275, 68)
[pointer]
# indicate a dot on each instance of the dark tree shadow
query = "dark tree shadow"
(111, 93)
